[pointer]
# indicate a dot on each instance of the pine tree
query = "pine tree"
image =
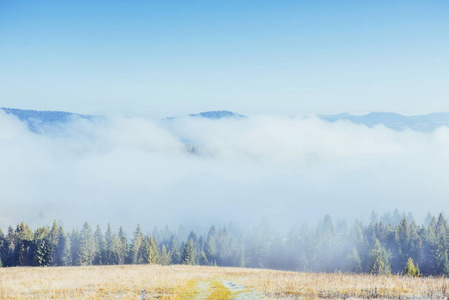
(41, 248)
(175, 253)
(211, 246)
(21, 254)
(202, 259)
(188, 254)
(86, 253)
(165, 258)
(123, 250)
(63, 249)
(379, 263)
(108, 246)
(23, 240)
(143, 253)
(74, 245)
(445, 265)
(53, 237)
(154, 255)
(354, 262)
(116, 256)
(136, 246)
(410, 269)
(239, 254)
(100, 251)
(10, 240)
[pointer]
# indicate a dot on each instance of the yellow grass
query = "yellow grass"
(193, 282)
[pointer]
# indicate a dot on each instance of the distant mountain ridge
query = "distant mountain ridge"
(423, 123)
(218, 114)
(36, 120)
(215, 114)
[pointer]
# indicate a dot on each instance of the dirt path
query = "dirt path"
(241, 292)
(220, 288)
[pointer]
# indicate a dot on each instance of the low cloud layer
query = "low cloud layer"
(202, 171)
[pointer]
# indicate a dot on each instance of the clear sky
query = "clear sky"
(177, 57)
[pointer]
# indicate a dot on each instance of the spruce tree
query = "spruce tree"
(136, 247)
(86, 253)
(10, 246)
(211, 245)
(175, 253)
(63, 249)
(143, 253)
(354, 262)
(154, 255)
(188, 254)
(74, 245)
(123, 251)
(116, 257)
(53, 237)
(410, 269)
(108, 246)
(239, 255)
(445, 265)
(379, 263)
(23, 240)
(41, 250)
(165, 258)
(202, 259)
(100, 251)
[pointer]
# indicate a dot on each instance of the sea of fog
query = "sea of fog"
(199, 171)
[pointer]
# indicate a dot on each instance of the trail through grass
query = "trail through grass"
(218, 288)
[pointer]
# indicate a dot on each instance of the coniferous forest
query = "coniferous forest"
(394, 243)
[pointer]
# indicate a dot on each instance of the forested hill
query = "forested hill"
(219, 114)
(424, 123)
(390, 244)
(36, 119)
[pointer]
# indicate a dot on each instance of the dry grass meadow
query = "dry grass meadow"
(194, 282)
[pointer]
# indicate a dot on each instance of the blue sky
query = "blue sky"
(177, 57)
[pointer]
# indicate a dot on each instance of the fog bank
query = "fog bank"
(202, 171)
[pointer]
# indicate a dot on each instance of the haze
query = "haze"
(202, 171)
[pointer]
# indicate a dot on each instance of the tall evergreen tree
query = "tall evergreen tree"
(153, 254)
(123, 251)
(354, 264)
(379, 263)
(41, 249)
(75, 245)
(53, 237)
(86, 252)
(136, 247)
(100, 251)
(175, 253)
(188, 254)
(165, 258)
(211, 245)
(108, 246)
(23, 240)
(63, 249)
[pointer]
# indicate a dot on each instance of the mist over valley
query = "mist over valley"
(218, 167)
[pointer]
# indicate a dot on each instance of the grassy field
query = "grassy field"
(194, 282)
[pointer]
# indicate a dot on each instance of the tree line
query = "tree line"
(394, 243)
